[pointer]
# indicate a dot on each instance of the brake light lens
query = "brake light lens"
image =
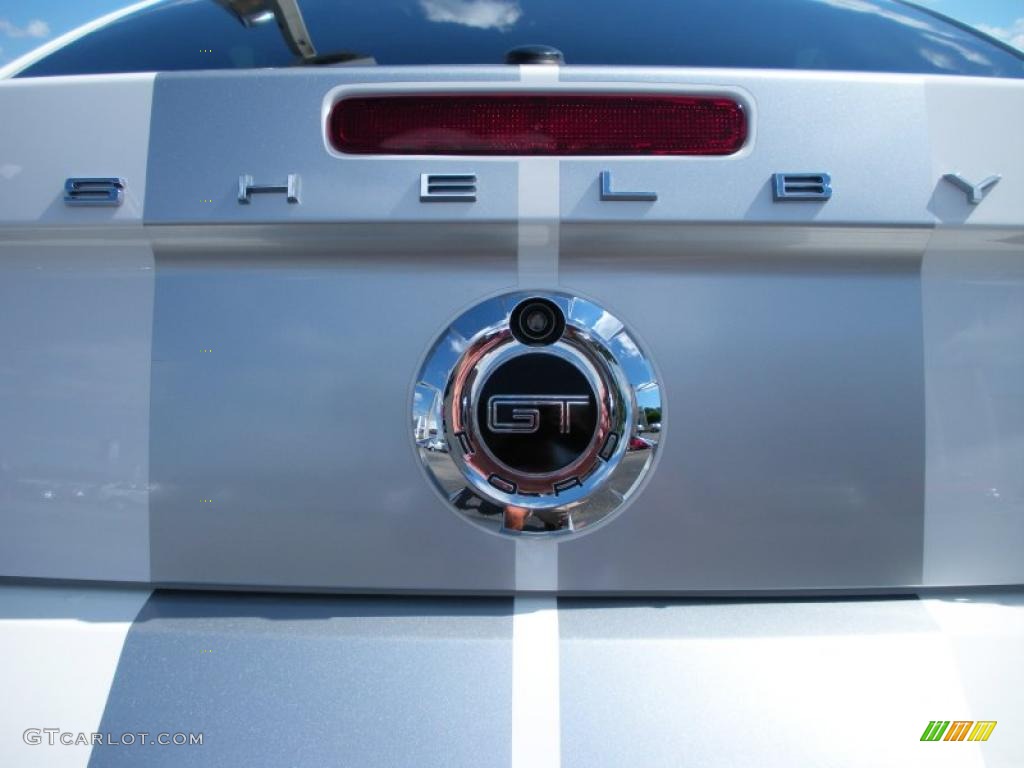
(537, 124)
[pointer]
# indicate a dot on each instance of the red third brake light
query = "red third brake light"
(537, 124)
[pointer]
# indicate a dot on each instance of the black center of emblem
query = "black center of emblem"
(537, 413)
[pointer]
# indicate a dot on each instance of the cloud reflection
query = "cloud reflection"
(479, 14)
(865, 6)
(941, 57)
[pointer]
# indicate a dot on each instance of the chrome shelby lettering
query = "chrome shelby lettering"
(105, 191)
(975, 192)
(247, 187)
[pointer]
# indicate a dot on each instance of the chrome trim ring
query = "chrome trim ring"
(558, 453)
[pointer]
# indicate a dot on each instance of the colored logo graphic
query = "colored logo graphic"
(958, 730)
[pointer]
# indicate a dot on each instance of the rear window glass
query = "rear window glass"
(850, 35)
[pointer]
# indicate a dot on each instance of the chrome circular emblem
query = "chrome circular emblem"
(536, 412)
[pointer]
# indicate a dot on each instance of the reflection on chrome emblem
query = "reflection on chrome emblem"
(527, 413)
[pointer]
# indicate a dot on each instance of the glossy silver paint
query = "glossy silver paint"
(76, 313)
(269, 677)
(825, 416)
(228, 386)
(778, 683)
(316, 680)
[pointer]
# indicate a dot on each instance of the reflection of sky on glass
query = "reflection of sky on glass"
(478, 14)
(896, 15)
(951, 50)
(872, 35)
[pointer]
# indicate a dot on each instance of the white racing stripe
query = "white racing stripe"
(536, 564)
(536, 721)
(60, 649)
(536, 714)
(539, 213)
(538, 222)
(538, 204)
